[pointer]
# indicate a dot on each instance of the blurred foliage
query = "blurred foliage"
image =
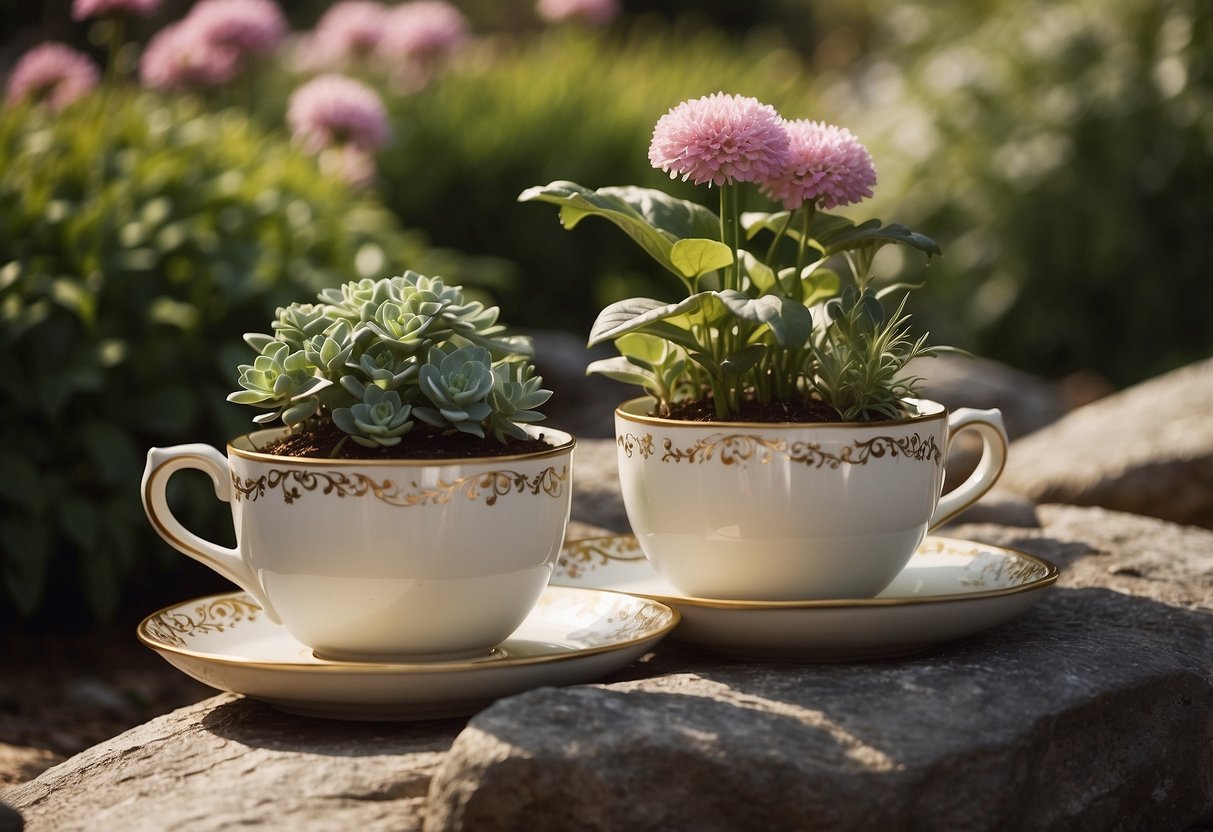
(565, 104)
(135, 249)
(1062, 155)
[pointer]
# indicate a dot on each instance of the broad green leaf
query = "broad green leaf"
(666, 320)
(790, 322)
(761, 276)
(696, 256)
(620, 368)
(740, 362)
(844, 239)
(654, 220)
(640, 347)
(820, 285)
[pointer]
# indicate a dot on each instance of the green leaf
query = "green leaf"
(760, 274)
(820, 285)
(840, 238)
(620, 368)
(647, 349)
(790, 322)
(654, 220)
(696, 256)
(665, 320)
(740, 362)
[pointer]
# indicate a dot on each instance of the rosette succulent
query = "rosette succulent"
(377, 358)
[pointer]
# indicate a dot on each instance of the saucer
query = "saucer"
(949, 589)
(573, 635)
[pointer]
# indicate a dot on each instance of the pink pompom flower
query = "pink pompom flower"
(593, 12)
(826, 165)
(53, 73)
(348, 32)
(84, 9)
(337, 110)
(423, 29)
(248, 26)
(720, 139)
(181, 57)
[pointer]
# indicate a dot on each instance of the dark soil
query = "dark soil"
(422, 442)
(798, 410)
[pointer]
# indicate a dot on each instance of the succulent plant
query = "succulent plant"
(377, 357)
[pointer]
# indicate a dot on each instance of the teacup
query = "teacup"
(793, 511)
(380, 560)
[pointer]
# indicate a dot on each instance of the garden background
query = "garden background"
(1058, 152)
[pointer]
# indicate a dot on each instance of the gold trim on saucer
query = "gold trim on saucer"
(647, 612)
(209, 615)
(1041, 572)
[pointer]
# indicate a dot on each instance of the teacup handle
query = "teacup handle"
(988, 425)
(162, 463)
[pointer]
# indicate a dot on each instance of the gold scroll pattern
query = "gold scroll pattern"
(986, 571)
(585, 555)
(734, 448)
(213, 616)
(491, 485)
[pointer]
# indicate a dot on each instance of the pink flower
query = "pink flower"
(84, 9)
(826, 165)
(593, 12)
(348, 31)
(248, 26)
(337, 110)
(54, 73)
(720, 139)
(181, 57)
(422, 29)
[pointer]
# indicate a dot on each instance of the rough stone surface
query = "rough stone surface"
(1146, 450)
(1092, 711)
(229, 762)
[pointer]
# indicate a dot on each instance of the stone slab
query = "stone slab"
(1092, 711)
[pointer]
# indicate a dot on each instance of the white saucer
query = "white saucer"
(950, 588)
(573, 635)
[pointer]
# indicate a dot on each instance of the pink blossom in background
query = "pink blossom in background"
(54, 73)
(337, 110)
(593, 12)
(720, 139)
(248, 26)
(181, 57)
(348, 32)
(352, 165)
(84, 9)
(826, 165)
(423, 29)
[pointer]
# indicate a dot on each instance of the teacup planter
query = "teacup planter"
(380, 560)
(409, 509)
(793, 511)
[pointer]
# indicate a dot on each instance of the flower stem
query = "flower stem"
(806, 219)
(730, 234)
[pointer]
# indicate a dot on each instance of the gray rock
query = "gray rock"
(1089, 712)
(1027, 402)
(582, 405)
(1146, 450)
(227, 762)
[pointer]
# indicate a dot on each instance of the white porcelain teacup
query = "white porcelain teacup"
(383, 560)
(793, 511)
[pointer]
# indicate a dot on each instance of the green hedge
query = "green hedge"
(135, 249)
(1060, 153)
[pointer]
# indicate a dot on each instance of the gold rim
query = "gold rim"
(643, 419)
(392, 668)
(1049, 578)
(567, 443)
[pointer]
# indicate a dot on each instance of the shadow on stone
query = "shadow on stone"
(258, 725)
(1093, 710)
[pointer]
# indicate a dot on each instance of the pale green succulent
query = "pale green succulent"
(377, 356)
(379, 420)
(282, 381)
(457, 384)
(514, 398)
